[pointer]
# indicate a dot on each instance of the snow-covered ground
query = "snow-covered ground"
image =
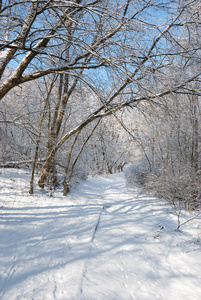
(103, 241)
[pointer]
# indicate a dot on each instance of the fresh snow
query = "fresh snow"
(103, 241)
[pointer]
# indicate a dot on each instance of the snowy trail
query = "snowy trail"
(104, 241)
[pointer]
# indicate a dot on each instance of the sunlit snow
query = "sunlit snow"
(104, 241)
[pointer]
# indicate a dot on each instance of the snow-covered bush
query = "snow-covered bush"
(136, 174)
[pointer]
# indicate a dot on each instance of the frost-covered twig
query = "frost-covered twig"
(193, 218)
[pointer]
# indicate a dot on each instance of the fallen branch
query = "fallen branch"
(16, 164)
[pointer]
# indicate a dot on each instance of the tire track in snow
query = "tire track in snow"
(84, 272)
(97, 224)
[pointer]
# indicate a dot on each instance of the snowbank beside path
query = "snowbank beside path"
(103, 241)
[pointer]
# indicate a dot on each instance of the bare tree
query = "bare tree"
(125, 44)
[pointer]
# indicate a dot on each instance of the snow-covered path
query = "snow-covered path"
(104, 241)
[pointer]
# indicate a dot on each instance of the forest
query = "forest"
(88, 87)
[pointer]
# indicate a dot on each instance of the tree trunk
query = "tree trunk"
(31, 191)
(66, 186)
